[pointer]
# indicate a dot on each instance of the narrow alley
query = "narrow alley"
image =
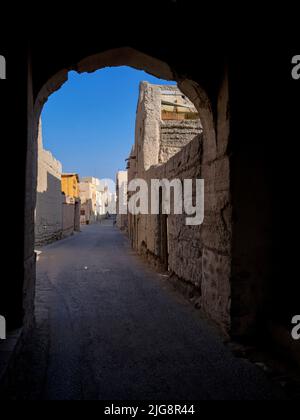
(108, 327)
(149, 204)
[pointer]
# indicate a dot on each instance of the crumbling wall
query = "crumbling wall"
(199, 256)
(174, 135)
(48, 212)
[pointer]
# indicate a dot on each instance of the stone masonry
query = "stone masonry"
(197, 257)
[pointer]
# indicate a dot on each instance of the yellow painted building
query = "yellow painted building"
(70, 185)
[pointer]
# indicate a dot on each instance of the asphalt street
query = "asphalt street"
(109, 327)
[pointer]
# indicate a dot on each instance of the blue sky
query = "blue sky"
(89, 123)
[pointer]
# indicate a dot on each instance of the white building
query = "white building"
(96, 200)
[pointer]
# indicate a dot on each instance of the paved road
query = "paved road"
(108, 327)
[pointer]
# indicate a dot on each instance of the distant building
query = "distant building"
(2, 67)
(71, 203)
(70, 185)
(96, 200)
(88, 197)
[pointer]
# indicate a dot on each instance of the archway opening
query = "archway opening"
(211, 272)
(190, 253)
(210, 250)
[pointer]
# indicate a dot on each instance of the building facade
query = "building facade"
(96, 200)
(71, 203)
(169, 145)
(70, 185)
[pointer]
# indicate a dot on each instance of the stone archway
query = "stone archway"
(216, 232)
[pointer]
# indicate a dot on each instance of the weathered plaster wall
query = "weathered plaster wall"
(174, 135)
(199, 256)
(87, 214)
(77, 208)
(56, 215)
(48, 213)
